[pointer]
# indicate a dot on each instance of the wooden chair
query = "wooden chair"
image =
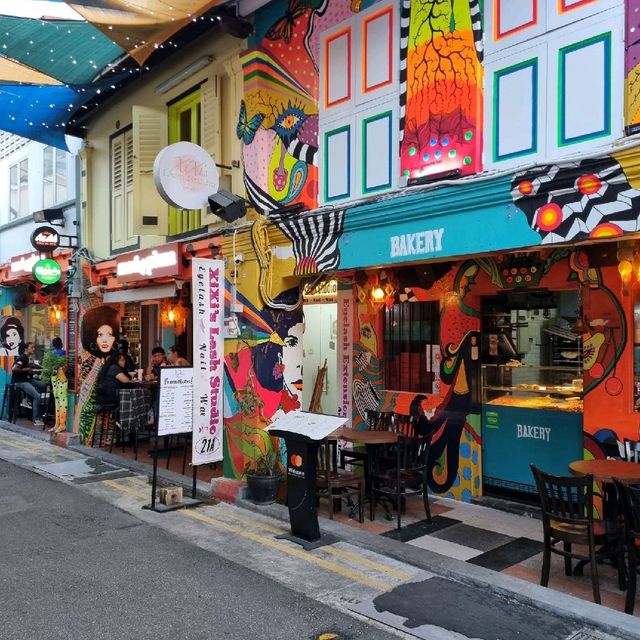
(632, 450)
(629, 498)
(404, 424)
(567, 518)
(334, 484)
(376, 421)
(406, 476)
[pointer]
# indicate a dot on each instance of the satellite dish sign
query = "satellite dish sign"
(185, 175)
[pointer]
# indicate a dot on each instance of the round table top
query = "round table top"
(364, 436)
(604, 470)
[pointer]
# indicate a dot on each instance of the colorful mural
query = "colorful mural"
(100, 332)
(441, 112)
(263, 377)
(632, 66)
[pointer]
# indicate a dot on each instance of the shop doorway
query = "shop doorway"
(149, 331)
(319, 345)
(531, 388)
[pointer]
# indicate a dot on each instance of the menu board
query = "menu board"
(72, 344)
(175, 403)
(315, 426)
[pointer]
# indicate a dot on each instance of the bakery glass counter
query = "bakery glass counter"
(530, 415)
(529, 387)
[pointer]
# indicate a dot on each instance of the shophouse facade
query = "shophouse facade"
(34, 178)
(446, 189)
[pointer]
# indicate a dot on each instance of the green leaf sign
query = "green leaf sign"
(47, 271)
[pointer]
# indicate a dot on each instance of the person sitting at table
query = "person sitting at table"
(158, 359)
(123, 349)
(111, 378)
(22, 378)
(176, 358)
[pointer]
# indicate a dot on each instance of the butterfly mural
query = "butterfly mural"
(283, 28)
(246, 129)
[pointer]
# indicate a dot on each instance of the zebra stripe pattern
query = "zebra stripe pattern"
(405, 22)
(315, 239)
(261, 200)
(476, 27)
(302, 151)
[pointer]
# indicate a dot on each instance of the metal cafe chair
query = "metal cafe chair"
(334, 484)
(406, 476)
(567, 518)
(629, 498)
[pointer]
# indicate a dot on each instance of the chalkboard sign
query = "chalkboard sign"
(72, 344)
(175, 401)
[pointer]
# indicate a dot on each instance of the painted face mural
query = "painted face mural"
(12, 336)
(263, 377)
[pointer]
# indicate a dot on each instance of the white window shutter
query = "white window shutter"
(150, 136)
(211, 135)
(118, 205)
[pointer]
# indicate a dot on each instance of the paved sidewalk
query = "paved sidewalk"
(422, 556)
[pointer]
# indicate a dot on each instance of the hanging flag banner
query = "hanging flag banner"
(345, 350)
(207, 286)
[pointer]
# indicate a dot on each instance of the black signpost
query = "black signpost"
(173, 416)
(303, 433)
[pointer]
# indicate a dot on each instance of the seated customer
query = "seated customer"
(158, 360)
(22, 378)
(175, 357)
(111, 379)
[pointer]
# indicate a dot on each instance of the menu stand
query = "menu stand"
(303, 433)
(174, 403)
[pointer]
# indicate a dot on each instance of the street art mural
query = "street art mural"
(454, 412)
(263, 378)
(578, 200)
(441, 87)
(632, 65)
(100, 332)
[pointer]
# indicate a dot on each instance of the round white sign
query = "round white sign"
(185, 175)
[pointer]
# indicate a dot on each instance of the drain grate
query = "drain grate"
(588, 635)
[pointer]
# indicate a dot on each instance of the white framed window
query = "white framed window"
(558, 93)
(19, 189)
(54, 176)
(358, 106)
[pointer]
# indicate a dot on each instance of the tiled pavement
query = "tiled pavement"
(490, 538)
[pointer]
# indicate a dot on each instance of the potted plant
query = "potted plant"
(263, 475)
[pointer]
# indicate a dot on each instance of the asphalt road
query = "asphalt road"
(74, 567)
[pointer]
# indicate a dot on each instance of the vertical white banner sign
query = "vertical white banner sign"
(207, 286)
(345, 351)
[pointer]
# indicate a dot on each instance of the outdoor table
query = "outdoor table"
(605, 470)
(370, 439)
(135, 402)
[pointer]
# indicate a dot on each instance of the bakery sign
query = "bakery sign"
(45, 239)
(162, 262)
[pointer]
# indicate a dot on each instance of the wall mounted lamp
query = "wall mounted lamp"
(52, 216)
(184, 74)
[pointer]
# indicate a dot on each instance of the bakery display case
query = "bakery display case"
(531, 387)
(530, 414)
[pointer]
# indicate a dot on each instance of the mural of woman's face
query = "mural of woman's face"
(105, 339)
(13, 339)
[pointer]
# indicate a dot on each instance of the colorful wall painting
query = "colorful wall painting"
(441, 127)
(100, 331)
(632, 66)
(455, 412)
(263, 377)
